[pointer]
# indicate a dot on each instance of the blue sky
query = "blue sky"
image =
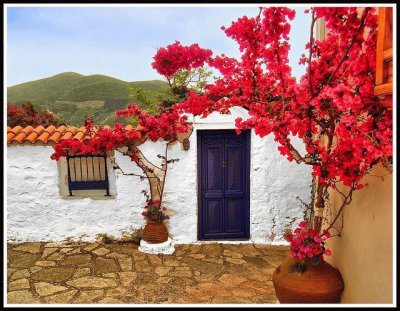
(120, 41)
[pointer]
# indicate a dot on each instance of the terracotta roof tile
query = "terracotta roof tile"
(32, 137)
(72, 129)
(67, 135)
(35, 133)
(27, 130)
(16, 129)
(44, 137)
(56, 137)
(80, 135)
(20, 137)
(48, 136)
(50, 129)
(39, 129)
(23, 134)
(10, 135)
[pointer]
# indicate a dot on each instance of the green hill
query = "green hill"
(73, 96)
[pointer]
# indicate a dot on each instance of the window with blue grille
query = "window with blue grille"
(88, 172)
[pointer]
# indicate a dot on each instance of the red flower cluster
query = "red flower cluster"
(166, 126)
(68, 145)
(106, 139)
(89, 125)
(307, 243)
(154, 211)
(27, 115)
(334, 100)
(169, 60)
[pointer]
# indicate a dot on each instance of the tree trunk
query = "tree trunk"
(155, 175)
(319, 207)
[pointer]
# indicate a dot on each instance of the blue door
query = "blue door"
(224, 184)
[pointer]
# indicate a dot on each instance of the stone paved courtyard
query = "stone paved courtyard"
(90, 273)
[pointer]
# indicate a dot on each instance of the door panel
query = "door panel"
(234, 169)
(223, 171)
(233, 215)
(214, 175)
(214, 216)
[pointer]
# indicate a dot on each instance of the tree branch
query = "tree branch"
(116, 166)
(346, 201)
(296, 155)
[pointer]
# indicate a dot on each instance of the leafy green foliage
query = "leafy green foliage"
(144, 99)
(181, 83)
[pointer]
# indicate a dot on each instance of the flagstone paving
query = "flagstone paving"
(118, 273)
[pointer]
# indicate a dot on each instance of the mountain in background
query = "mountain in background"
(72, 96)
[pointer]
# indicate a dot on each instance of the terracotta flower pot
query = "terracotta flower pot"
(320, 283)
(155, 232)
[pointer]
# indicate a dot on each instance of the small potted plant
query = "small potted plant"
(305, 277)
(155, 230)
(307, 244)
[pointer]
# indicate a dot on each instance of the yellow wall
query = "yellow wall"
(364, 254)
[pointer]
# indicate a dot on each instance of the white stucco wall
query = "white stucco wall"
(37, 212)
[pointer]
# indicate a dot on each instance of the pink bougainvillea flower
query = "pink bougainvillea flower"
(306, 243)
(303, 224)
(326, 235)
(318, 239)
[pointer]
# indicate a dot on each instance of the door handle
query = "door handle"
(223, 163)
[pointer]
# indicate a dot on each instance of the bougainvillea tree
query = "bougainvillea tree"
(169, 126)
(344, 126)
